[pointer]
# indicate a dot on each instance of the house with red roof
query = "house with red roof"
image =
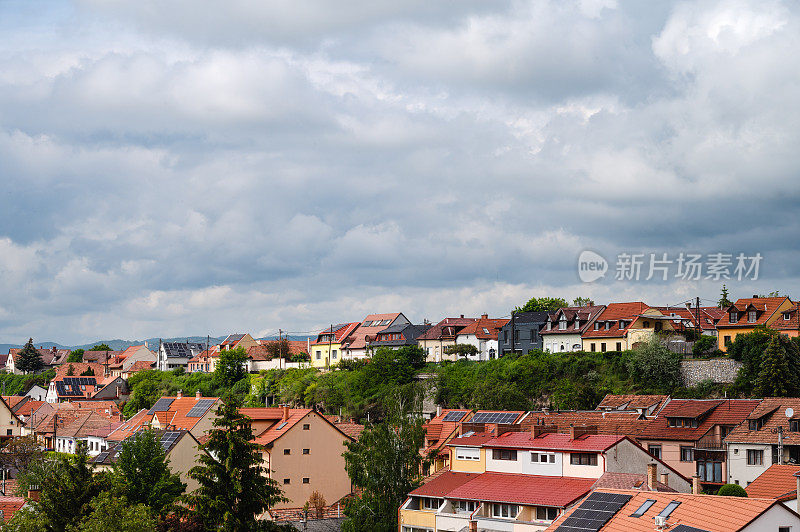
(689, 435)
(562, 331)
(439, 337)
(9, 506)
(326, 349)
(357, 344)
(622, 326)
(195, 414)
(10, 423)
(746, 314)
(483, 334)
(133, 355)
(778, 482)
(523, 480)
(302, 450)
(52, 357)
(788, 323)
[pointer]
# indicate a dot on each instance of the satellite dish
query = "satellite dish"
(789, 412)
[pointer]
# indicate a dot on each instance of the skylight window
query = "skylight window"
(669, 509)
(643, 508)
(281, 425)
(367, 324)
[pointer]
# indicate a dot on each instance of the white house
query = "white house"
(563, 329)
(483, 335)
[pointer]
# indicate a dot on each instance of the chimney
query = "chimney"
(179, 394)
(755, 296)
(651, 476)
(197, 395)
(473, 526)
(438, 410)
(462, 315)
(665, 479)
(285, 413)
(484, 316)
(696, 484)
(34, 493)
(538, 430)
(581, 430)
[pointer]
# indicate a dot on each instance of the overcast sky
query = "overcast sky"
(205, 167)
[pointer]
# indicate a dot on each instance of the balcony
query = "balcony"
(709, 443)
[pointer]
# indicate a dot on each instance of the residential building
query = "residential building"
(483, 334)
(688, 318)
(141, 365)
(22, 406)
(778, 482)
(46, 422)
(326, 350)
(10, 423)
(646, 405)
(622, 326)
(788, 323)
(195, 414)
(630, 423)
(104, 358)
(357, 343)
(51, 357)
(91, 429)
(769, 435)
(689, 435)
(563, 329)
(438, 432)
(135, 354)
(235, 341)
(521, 333)
(636, 511)
(435, 340)
(747, 314)
(173, 355)
(37, 392)
(302, 451)
(75, 381)
(399, 335)
(180, 446)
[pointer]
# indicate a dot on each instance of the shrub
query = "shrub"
(732, 490)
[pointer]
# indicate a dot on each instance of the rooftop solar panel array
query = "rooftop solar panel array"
(200, 408)
(71, 386)
(168, 439)
(182, 349)
(687, 528)
(594, 512)
(162, 405)
(494, 417)
(455, 416)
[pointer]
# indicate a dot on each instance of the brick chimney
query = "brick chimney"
(285, 413)
(484, 316)
(197, 394)
(581, 430)
(34, 493)
(179, 394)
(538, 430)
(652, 476)
(696, 484)
(665, 479)
(473, 526)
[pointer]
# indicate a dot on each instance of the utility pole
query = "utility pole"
(780, 445)
(697, 317)
(330, 346)
(513, 333)
(280, 348)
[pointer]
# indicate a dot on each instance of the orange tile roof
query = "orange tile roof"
(628, 481)
(765, 307)
(777, 482)
(140, 365)
(792, 324)
(175, 416)
(706, 512)
(10, 505)
(773, 412)
(13, 400)
(490, 324)
(615, 312)
(273, 432)
(549, 441)
(357, 339)
(729, 412)
(78, 368)
(632, 402)
(28, 408)
(624, 423)
(340, 331)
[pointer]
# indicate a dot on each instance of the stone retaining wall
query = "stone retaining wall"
(721, 370)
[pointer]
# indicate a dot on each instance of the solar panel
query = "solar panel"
(594, 512)
(454, 416)
(101, 457)
(162, 405)
(494, 417)
(687, 528)
(200, 408)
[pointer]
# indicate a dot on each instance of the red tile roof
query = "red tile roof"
(550, 441)
(274, 432)
(357, 339)
(777, 482)
(340, 331)
(585, 316)
(628, 481)
(765, 307)
(615, 312)
(442, 484)
(10, 505)
(89, 424)
(477, 328)
(792, 324)
(729, 412)
(79, 367)
(447, 327)
(512, 488)
(773, 412)
(140, 365)
(175, 417)
(625, 423)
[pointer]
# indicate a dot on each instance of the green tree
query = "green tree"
(29, 359)
(704, 344)
(278, 348)
(234, 487)
(142, 470)
(583, 302)
(21, 451)
(724, 302)
(655, 367)
(88, 372)
(543, 304)
(384, 465)
(775, 378)
(462, 350)
(732, 490)
(101, 347)
(750, 349)
(118, 514)
(70, 370)
(75, 356)
(231, 366)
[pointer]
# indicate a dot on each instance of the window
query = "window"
(784, 529)
(319, 355)
(546, 514)
(468, 453)
(608, 325)
(562, 324)
(733, 317)
(603, 347)
(306, 480)
(786, 316)
(727, 340)
(597, 326)
(619, 346)
(504, 454)
(9, 432)
(669, 509)
(646, 324)
(306, 451)
(485, 330)
(643, 508)
(592, 348)
(654, 450)
(306, 426)
(549, 325)
(755, 424)
(333, 354)
(466, 506)
(794, 425)
(709, 471)
(504, 510)
(622, 324)
(429, 503)
(687, 454)
(505, 336)
(751, 316)
(755, 457)
(287, 451)
(583, 459)
(516, 335)
(286, 481)
(577, 323)
(544, 458)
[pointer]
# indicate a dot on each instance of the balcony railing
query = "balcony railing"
(709, 443)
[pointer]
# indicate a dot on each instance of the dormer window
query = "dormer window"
(577, 323)
(562, 324)
(794, 425)
(597, 326)
(622, 324)
(751, 316)
(756, 424)
(785, 316)
(608, 325)
(549, 325)
(733, 317)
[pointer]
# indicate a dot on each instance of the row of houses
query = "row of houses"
(533, 471)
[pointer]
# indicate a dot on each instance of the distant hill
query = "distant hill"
(121, 345)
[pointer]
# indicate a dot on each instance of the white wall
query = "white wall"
(737, 462)
(554, 342)
(775, 517)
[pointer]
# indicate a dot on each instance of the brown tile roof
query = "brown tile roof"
(628, 481)
(140, 365)
(792, 324)
(490, 324)
(624, 423)
(773, 412)
(88, 424)
(765, 307)
(357, 339)
(78, 368)
(729, 412)
(28, 408)
(340, 331)
(707, 512)
(10, 505)
(101, 357)
(350, 428)
(50, 357)
(777, 482)
(447, 327)
(632, 402)
(615, 312)
(585, 315)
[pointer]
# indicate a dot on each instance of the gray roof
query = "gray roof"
(409, 331)
(182, 349)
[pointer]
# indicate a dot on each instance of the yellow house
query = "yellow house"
(234, 341)
(326, 350)
(622, 326)
(746, 314)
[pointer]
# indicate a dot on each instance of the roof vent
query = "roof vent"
(660, 520)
